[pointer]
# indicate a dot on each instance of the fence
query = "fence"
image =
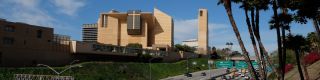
(41, 77)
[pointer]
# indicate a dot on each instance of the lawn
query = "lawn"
(114, 70)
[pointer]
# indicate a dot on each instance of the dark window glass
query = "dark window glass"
(24, 42)
(8, 41)
(201, 13)
(39, 34)
(9, 28)
(134, 22)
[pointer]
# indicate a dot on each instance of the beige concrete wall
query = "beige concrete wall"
(157, 29)
(163, 28)
(108, 34)
(141, 39)
(203, 31)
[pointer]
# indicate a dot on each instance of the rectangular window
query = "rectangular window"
(201, 13)
(0, 58)
(39, 34)
(105, 20)
(8, 41)
(9, 28)
(134, 22)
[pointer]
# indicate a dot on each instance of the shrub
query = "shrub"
(311, 58)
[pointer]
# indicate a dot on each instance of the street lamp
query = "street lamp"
(150, 67)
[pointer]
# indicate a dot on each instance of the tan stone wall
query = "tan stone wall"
(115, 32)
(163, 29)
(203, 31)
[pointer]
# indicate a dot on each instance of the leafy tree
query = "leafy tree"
(297, 43)
(185, 48)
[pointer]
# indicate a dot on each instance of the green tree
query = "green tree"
(297, 43)
(185, 48)
(313, 40)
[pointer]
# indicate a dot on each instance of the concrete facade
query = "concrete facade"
(203, 31)
(152, 30)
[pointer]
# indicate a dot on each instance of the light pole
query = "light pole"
(150, 67)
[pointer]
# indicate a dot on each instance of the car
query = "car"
(188, 74)
(203, 74)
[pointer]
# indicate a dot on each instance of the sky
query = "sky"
(67, 17)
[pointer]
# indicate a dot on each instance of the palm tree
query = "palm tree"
(307, 9)
(227, 6)
(246, 5)
(275, 24)
(297, 43)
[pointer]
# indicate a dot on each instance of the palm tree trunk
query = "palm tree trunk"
(298, 64)
(275, 13)
(284, 48)
(253, 42)
(262, 55)
(304, 67)
(263, 51)
(227, 6)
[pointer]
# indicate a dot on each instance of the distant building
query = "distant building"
(23, 44)
(203, 31)
(89, 32)
(191, 43)
(152, 30)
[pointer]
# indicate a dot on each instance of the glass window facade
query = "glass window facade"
(134, 22)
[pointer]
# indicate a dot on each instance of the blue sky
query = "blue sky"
(67, 16)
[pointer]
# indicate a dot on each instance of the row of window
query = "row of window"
(9, 28)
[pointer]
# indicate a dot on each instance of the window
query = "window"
(9, 28)
(8, 41)
(201, 13)
(134, 22)
(39, 34)
(0, 58)
(24, 42)
(105, 20)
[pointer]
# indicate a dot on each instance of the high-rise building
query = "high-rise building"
(151, 30)
(89, 32)
(203, 31)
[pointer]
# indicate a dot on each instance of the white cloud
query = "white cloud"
(188, 29)
(219, 34)
(69, 7)
(32, 12)
(26, 11)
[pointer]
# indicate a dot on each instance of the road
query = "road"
(198, 76)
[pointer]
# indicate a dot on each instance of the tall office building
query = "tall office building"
(89, 32)
(151, 30)
(203, 31)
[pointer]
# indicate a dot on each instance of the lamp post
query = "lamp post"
(150, 67)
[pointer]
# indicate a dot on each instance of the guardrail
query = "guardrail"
(41, 77)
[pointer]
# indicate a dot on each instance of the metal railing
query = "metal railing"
(41, 77)
(129, 51)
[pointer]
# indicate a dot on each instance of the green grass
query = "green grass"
(113, 71)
